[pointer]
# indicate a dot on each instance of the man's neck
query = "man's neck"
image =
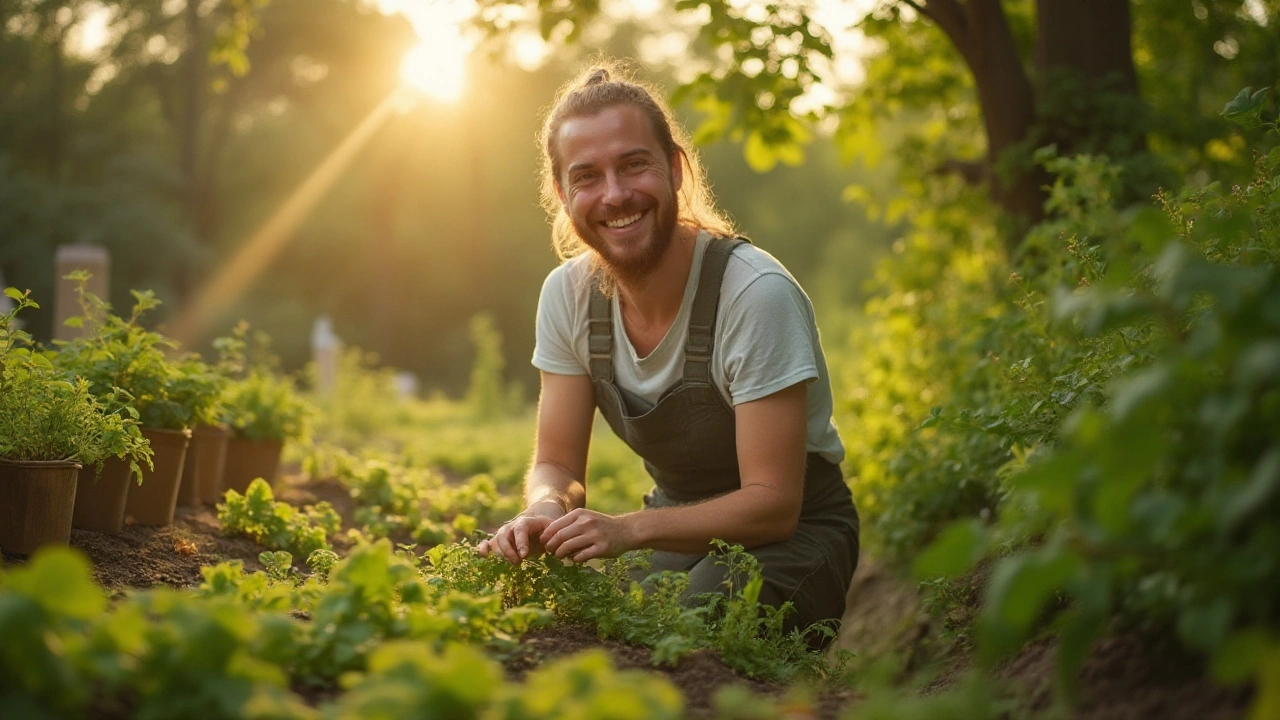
(656, 298)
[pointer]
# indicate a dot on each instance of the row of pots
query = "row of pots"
(40, 502)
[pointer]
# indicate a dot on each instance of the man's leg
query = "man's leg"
(811, 569)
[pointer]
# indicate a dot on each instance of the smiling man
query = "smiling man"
(699, 349)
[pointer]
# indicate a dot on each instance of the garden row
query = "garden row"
(118, 423)
(1091, 427)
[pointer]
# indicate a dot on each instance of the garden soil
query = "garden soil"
(1126, 677)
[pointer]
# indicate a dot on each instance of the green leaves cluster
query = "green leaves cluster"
(1160, 497)
(258, 402)
(46, 414)
(748, 636)
(116, 352)
(278, 525)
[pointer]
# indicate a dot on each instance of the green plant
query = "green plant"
(47, 415)
(120, 353)
(1160, 502)
(747, 635)
(258, 402)
(278, 525)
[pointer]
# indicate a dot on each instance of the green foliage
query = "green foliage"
(747, 635)
(278, 525)
(486, 393)
(120, 353)
(1160, 498)
(258, 402)
(46, 415)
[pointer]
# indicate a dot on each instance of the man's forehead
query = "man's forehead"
(615, 132)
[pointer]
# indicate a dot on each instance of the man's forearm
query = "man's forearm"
(752, 516)
(553, 489)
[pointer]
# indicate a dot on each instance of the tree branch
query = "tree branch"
(950, 16)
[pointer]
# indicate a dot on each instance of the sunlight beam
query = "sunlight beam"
(230, 282)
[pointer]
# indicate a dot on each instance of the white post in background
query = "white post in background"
(324, 351)
(91, 258)
(406, 385)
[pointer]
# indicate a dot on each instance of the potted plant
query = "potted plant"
(263, 408)
(202, 471)
(121, 353)
(52, 425)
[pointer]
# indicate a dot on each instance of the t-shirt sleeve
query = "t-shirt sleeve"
(767, 337)
(555, 344)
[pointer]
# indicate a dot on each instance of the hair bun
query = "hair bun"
(597, 77)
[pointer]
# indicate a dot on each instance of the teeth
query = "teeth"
(622, 222)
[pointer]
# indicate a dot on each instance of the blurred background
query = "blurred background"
(178, 134)
(374, 160)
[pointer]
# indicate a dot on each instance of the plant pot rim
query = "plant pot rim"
(42, 463)
(212, 429)
(184, 433)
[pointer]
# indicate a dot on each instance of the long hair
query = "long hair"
(607, 85)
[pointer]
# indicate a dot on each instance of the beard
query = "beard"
(631, 268)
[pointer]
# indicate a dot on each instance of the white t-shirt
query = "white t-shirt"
(766, 338)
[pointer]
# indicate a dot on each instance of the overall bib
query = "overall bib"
(688, 443)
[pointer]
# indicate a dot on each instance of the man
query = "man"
(699, 349)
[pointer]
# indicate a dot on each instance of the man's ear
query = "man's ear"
(559, 192)
(677, 169)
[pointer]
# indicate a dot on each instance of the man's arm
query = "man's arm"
(771, 436)
(555, 483)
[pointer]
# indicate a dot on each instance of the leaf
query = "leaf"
(1204, 625)
(59, 579)
(13, 293)
(1143, 387)
(1019, 589)
(1246, 108)
(758, 153)
(1237, 659)
(1256, 492)
(960, 546)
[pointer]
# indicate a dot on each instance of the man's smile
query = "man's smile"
(622, 221)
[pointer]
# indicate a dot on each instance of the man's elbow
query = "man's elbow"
(783, 517)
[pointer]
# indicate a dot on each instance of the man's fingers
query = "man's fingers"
(503, 541)
(572, 545)
(553, 528)
(483, 548)
(521, 533)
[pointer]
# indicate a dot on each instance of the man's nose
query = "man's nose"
(616, 190)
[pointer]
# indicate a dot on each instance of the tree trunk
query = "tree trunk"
(980, 32)
(1084, 63)
(1085, 42)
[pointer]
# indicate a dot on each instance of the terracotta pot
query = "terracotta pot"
(202, 471)
(100, 498)
(36, 501)
(248, 459)
(152, 502)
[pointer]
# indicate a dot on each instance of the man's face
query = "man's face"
(619, 189)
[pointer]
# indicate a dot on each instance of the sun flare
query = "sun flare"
(437, 65)
(436, 70)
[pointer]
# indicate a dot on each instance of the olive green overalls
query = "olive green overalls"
(688, 444)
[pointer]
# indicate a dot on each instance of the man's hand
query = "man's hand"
(585, 534)
(516, 539)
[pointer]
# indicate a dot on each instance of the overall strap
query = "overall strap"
(702, 316)
(600, 336)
